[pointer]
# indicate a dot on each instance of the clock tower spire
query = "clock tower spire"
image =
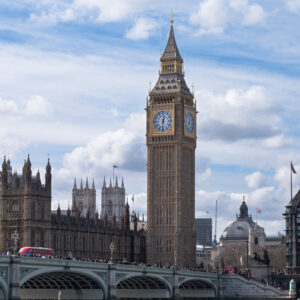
(171, 143)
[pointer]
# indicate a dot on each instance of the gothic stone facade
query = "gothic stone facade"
(84, 199)
(113, 200)
(171, 143)
(25, 206)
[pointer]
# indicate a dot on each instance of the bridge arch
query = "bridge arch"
(197, 288)
(72, 284)
(3, 289)
(143, 286)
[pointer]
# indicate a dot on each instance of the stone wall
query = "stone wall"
(237, 286)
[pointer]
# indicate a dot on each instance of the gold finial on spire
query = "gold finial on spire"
(192, 88)
(150, 86)
(172, 15)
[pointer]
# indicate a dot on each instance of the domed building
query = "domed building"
(241, 239)
(241, 228)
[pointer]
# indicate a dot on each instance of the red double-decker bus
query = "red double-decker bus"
(36, 252)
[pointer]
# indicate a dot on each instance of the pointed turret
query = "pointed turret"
(116, 183)
(75, 185)
(110, 185)
(38, 179)
(93, 185)
(171, 76)
(104, 183)
(81, 187)
(27, 173)
(48, 176)
(4, 174)
(87, 184)
(122, 184)
(58, 212)
(171, 52)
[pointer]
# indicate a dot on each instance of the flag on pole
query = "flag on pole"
(293, 169)
(114, 166)
(258, 210)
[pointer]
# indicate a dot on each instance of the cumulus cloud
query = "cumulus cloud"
(213, 16)
(37, 105)
(124, 147)
(143, 28)
(255, 180)
(238, 114)
(293, 5)
(8, 106)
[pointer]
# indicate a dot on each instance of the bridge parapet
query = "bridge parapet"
(19, 274)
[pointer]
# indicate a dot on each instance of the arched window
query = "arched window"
(256, 240)
(15, 207)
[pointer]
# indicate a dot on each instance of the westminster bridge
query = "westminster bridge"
(42, 278)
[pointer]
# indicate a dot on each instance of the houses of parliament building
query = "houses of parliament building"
(78, 232)
(25, 203)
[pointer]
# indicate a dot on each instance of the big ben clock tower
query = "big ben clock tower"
(171, 143)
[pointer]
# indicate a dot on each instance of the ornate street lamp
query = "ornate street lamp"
(15, 237)
(175, 259)
(112, 249)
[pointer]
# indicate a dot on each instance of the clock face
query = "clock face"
(162, 121)
(189, 122)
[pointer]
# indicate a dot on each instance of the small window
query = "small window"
(161, 81)
(256, 241)
(15, 207)
(167, 81)
(169, 87)
(174, 86)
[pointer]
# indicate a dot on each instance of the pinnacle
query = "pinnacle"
(171, 51)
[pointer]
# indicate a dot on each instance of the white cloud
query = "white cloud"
(254, 14)
(142, 29)
(8, 106)
(37, 105)
(255, 180)
(293, 5)
(238, 114)
(124, 147)
(113, 10)
(54, 16)
(213, 16)
(92, 10)
(277, 141)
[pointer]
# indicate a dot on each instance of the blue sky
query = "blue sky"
(75, 77)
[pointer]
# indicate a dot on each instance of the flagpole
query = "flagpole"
(113, 175)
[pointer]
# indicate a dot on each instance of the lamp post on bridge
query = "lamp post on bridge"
(15, 237)
(112, 249)
(175, 259)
